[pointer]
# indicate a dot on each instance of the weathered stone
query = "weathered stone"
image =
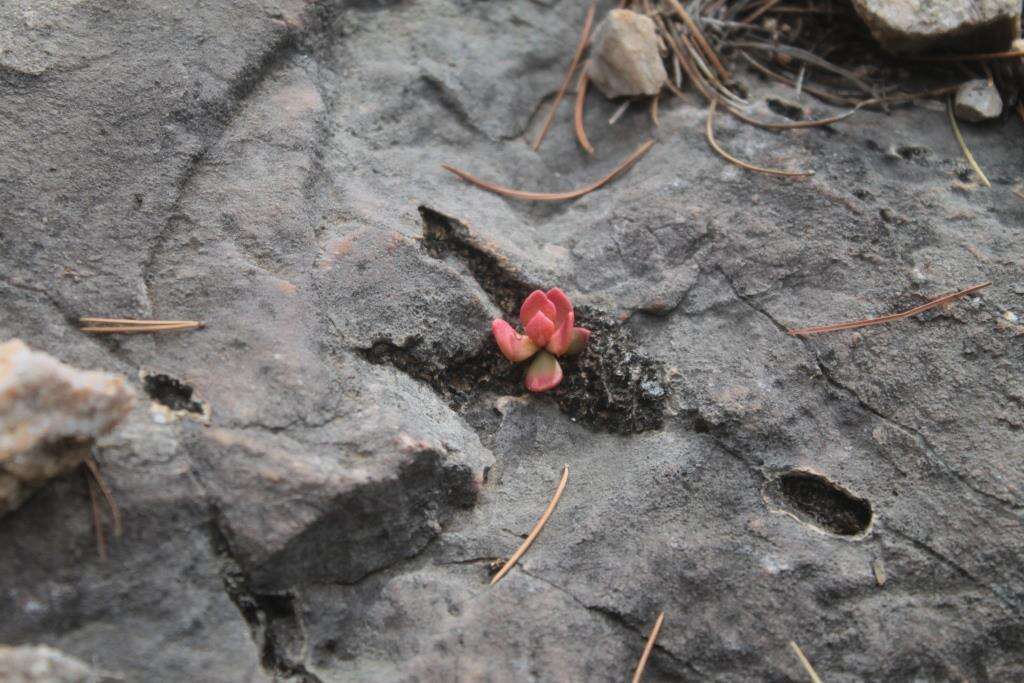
(978, 101)
(918, 25)
(42, 664)
(625, 60)
(50, 414)
(307, 531)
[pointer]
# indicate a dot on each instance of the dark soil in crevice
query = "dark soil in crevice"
(611, 386)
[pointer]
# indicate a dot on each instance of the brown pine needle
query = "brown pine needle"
(552, 196)
(963, 144)
(642, 664)
(973, 57)
(698, 36)
(130, 326)
(115, 511)
(577, 114)
(803, 660)
(710, 130)
(97, 520)
(867, 322)
(759, 11)
(791, 124)
(536, 529)
(654, 110)
(581, 46)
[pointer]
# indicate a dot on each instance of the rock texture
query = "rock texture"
(50, 415)
(321, 477)
(625, 60)
(976, 100)
(918, 25)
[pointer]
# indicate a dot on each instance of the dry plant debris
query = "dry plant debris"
(553, 196)
(132, 326)
(881, 320)
(642, 664)
(827, 53)
(804, 662)
(95, 480)
(521, 550)
(963, 144)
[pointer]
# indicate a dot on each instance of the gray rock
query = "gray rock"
(42, 664)
(915, 26)
(360, 453)
(625, 60)
(50, 415)
(977, 101)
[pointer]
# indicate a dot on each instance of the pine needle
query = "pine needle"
(577, 115)
(536, 528)
(97, 520)
(642, 664)
(963, 144)
(803, 661)
(654, 110)
(581, 46)
(698, 36)
(115, 511)
(552, 196)
(130, 326)
(867, 322)
(791, 124)
(973, 57)
(710, 130)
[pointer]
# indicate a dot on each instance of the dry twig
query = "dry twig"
(867, 322)
(710, 131)
(536, 529)
(638, 674)
(804, 661)
(552, 196)
(581, 46)
(963, 144)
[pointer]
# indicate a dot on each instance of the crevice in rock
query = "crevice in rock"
(273, 621)
(612, 616)
(814, 499)
(917, 436)
(172, 393)
(612, 386)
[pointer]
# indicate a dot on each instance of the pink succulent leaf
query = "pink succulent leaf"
(562, 337)
(563, 307)
(536, 303)
(514, 346)
(580, 336)
(540, 328)
(544, 373)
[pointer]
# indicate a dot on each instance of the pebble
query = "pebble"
(626, 57)
(978, 101)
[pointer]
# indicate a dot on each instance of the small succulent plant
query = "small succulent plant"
(548, 319)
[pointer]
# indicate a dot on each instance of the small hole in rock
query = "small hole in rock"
(172, 393)
(783, 108)
(814, 499)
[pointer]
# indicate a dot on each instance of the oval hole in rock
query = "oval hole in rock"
(815, 500)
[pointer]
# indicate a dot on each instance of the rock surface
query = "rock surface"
(331, 465)
(965, 25)
(976, 100)
(50, 415)
(625, 60)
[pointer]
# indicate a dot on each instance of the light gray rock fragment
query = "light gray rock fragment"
(50, 413)
(626, 61)
(918, 25)
(977, 100)
(42, 664)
